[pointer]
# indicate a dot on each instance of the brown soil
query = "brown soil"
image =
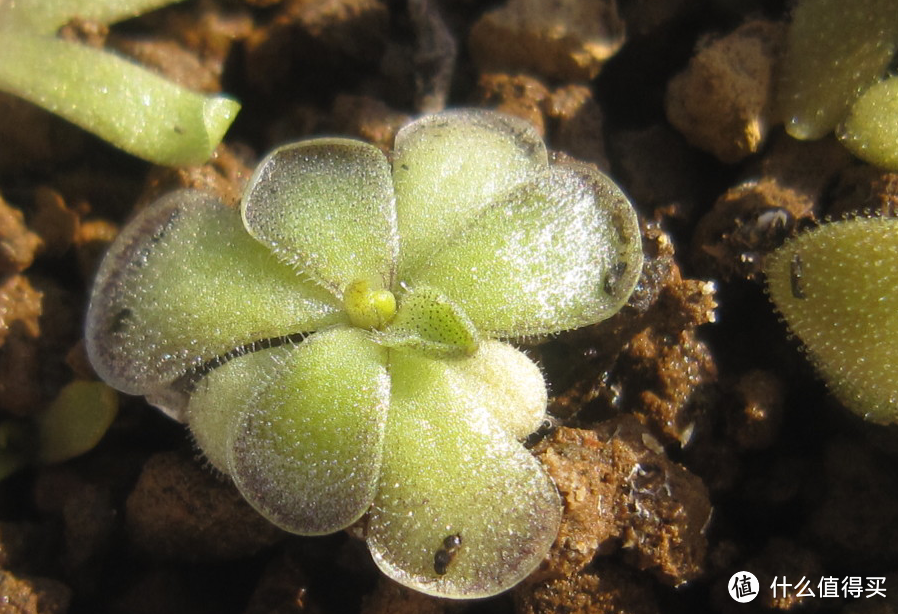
(692, 438)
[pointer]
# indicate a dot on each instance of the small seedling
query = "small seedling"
(335, 345)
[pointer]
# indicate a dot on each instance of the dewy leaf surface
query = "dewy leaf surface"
(118, 100)
(834, 50)
(427, 321)
(305, 447)
(326, 207)
(449, 469)
(509, 385)
(184, 283)
(836, 288)
(871, 129)
(560, 251)
(447, 167)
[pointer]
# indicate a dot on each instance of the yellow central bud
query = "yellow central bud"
(368, 308)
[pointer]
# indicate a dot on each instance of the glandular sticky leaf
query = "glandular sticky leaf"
(836, 288)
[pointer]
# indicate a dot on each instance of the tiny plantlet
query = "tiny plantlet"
(337, 345)
(836, 288)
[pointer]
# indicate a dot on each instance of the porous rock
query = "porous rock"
(558, 39)
(723, 101)
(180, 510)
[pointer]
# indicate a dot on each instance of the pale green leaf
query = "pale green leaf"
(836, 288)
(300, 427)
(558, 252)
(447, 167)
(834, 50)
(450, 469)
(871, 130)
(185, 284)
(429, 322)
(509, 385)
(326, 207)
(76, 420)
(132, 108)
(47, 16)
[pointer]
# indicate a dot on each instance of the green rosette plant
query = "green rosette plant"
(336, 346)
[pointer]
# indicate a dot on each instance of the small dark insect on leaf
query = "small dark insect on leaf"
(795, 276)
(446, 554)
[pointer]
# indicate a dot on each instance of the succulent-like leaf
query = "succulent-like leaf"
(560, 251)
(449, 471)
(447, 167)
(183, 284)
(123, 103)
(835, 49)
(836, 288)
(507, 383)
(871, 129)
(47, 16)
(326, 207)
(305, 446)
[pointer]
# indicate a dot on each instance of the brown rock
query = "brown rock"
(579, 130)
(20, 311)
(282, 589)
(391, 598)
(568, 40)
(865, 190)
(368, 119)
(607, 589)
(621, 490)
(53, 221)
(32, 595)
(519, 95)
(723, 101)
(17, 244)
(758, 409)
(747, 222)
(181, 510)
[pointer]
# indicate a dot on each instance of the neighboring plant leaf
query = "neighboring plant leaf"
(449, 469)
(837, 288)
(119, 101)
(447, 167)
(834, 50)
(47, 16)
(326, 208)
(560, 251)
(76, 420)
(871, 130)
(183, 284)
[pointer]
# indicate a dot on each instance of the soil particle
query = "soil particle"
(282, 589)
(605, 588)
(180, 510)
(27, 595)
(579, 126)
(369, 119)
(224, 176)
(520, 95)
(54, 222)
(391, 598)
(865, 190)
(20, 312)
(622, 492)
(17, 243)
(723, 101)
(558, 39)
